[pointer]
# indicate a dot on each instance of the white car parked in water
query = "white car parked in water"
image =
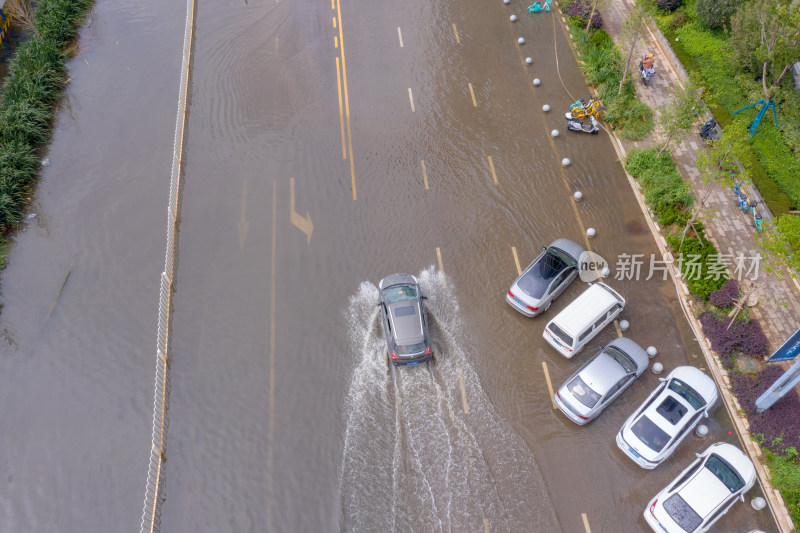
(655, 429)
(703, 492)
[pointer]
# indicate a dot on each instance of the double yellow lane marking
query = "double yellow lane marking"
(342, 83)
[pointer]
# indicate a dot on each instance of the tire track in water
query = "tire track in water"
(447, 471)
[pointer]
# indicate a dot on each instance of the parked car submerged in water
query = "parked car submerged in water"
(655, 429)
(596, 384)
(545, 278)
(702, 493)
(405, 323)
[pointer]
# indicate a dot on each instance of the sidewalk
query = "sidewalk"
(731, 231)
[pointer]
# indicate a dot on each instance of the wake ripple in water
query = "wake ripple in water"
(413, 460)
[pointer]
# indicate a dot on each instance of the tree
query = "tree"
(634, 26)
(718, 164)
(678, 115)
(716, 13)
(764, 39)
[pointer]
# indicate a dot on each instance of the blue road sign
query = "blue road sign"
(788, 350)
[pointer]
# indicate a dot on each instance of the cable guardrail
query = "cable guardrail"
(151, 513)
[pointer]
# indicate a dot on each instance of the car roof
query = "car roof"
(583, 309)
(602, 373)
(704, 492)
(407, 327)
(571, 247)
(635, 351)
(397, 279)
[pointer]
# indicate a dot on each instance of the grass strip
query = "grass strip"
(30, 94)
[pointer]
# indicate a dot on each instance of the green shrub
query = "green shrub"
(696, 260)
(678, 20)
(673, 214)
(785, 476)
(31, 90)
(716, 13)
(662, 185)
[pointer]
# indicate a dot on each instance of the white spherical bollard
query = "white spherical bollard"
(506, 2)
(554, 133)
(606, 272)
(537, 81)
(566, 162)
(701, 431)
(624, 325)
(513, 18)
(521, 40)
(758, 503)
(528, 60)
(591, 232)
(578, 196)
(545, 108)
(657, 368)
(651, 351)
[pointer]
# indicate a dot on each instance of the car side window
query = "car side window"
(614, 310)
(600, 322)
(585, 334)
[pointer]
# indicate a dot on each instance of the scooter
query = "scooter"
(646, 73)
(575, 124)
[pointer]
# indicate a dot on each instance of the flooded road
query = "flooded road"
(411, 139)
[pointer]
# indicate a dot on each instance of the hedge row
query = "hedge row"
(36, 77)
(670, 199)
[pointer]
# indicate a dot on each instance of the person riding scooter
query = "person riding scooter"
(646, 69)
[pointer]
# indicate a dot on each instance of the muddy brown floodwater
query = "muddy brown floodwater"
(282, 415)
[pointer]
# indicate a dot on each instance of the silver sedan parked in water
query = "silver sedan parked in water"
(546, 278)
(405, 322)
(596, 384)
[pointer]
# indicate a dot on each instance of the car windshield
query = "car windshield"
(724, 473)
(400, 292)
(682, 513)
(536, 280)
(583, 392)
(650, 434)
(622, 358)
(687, 393)
(411, 348)
(555, 330)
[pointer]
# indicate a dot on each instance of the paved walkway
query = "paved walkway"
(733, 232)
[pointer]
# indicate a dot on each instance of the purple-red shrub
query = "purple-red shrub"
(726, 296)
(780, 424)
(752, 340)
(582, 9)
(746, 337)
(723, 341)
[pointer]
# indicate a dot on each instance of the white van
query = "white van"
(582, 319)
